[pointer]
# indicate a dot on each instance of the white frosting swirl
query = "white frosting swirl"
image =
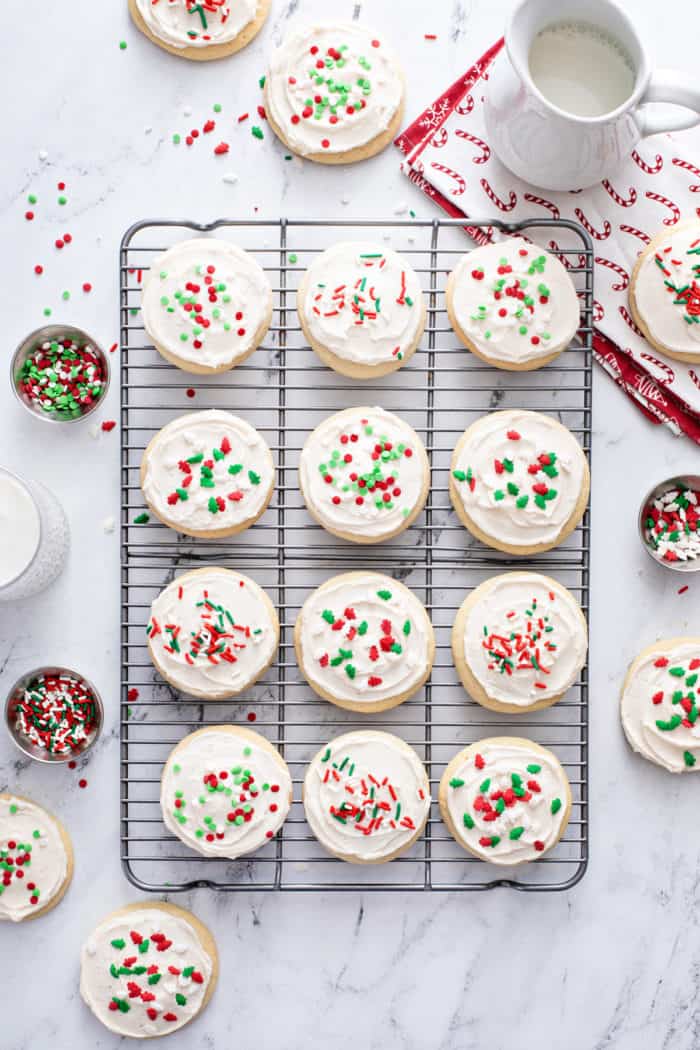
(126, 977)
(228, 465)
(364, 638)
(519, 476)
(362, 302)
(332, 88)
(196, 23)
(524, 638)
(363, 472)
(667, 290)
(507, 802)
(366, 795)
(33, 860)
(514, 301)
(660, 706)
(212, 632)
(224, 793)
(206, 301)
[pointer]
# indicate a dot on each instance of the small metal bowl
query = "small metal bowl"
(690, 481)
(25, 745)
(29, 345)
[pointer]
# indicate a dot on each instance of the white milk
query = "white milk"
(581, 69)
(19, 528)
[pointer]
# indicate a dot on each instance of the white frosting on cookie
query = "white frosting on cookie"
(507, 803)
(208, 471)
(363, 472)
(196, 23)
(224, 793)
(33, 859)
(519, 476)
(127, 978)
(363, 302)
(515, 301)
(365, 795)
(333, 88)
(212, 631)
(524, 638)
(660, 707)
(364, 638)
(667, 290)
(205, 301)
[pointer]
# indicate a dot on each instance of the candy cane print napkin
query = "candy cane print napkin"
(448, 158)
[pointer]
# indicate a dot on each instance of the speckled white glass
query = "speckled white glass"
(51, 549)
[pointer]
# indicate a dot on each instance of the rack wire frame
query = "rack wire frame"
(285, 391)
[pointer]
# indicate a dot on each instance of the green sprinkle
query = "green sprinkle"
(122, 45)
(456, 782)
(515, 833)
(142, 518)
(257, 132)
(689, 758)
(468, 821)
(384, 595)
(556, 805)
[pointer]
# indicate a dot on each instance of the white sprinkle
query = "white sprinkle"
(94, 431)
(187, 111)
(43, 154)
(108, 525)
(345, 199)
(401, 208)
(147, 131)
(230, 177)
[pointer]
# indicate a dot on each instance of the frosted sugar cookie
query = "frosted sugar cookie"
(513, 304)
(366, 797)
(200, 29)
(364, 475)
(148, 969)
(334, 93)
(665, 292)
(361, 308)
(36, 857)
(519, 642)
(212, 633)
(660, 704)
(505, 799)
(364, 641)
(206, 305)
(207, 474)
(519, 481)
(225, 791)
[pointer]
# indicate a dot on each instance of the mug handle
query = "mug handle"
(668, 85)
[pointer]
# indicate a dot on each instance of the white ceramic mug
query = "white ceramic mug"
(556, 150)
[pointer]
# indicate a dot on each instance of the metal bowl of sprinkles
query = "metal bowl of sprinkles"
(59, 373)
(669, 523)
(53, 714)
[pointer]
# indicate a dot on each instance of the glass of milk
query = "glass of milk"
(34, 537)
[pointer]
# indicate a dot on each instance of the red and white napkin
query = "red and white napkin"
(448, 158)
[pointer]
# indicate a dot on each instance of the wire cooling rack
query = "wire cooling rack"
(285, 391)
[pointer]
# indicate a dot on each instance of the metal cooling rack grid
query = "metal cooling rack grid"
(284, 391)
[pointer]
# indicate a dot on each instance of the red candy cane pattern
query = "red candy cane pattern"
(598, 311)
(452, 174)
(687, 166)
(645, 166)
(669, 374)
(551, 208)
(624, 202)
(618, 286)
(476, 141)
(694, 376)
(597, 234)
(440, 138)
(465, 108)
(634, 232)
(672, 219)
(495, 199)
(626, 317)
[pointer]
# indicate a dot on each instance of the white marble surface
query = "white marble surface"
(612, 963)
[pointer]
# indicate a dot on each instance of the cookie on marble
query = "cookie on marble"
(364, 475)
(206, 304)
(148, 969)
(664, 292)
(513, 304)
(212, 633)
(366, 797)
(225, 791)
(519, 481)
(200, 31)
(659, 706)
(334, 93)
(364, 641)
(519, 642)
(507, 800)
(207, 474)
(36, 857)
(361, 308)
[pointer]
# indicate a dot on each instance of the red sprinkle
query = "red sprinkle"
(109, 424)
(132, 695)
(222, 148)
(82, 783)
(191, 391)
(252, 716)
(38, 269)
(682, 590)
